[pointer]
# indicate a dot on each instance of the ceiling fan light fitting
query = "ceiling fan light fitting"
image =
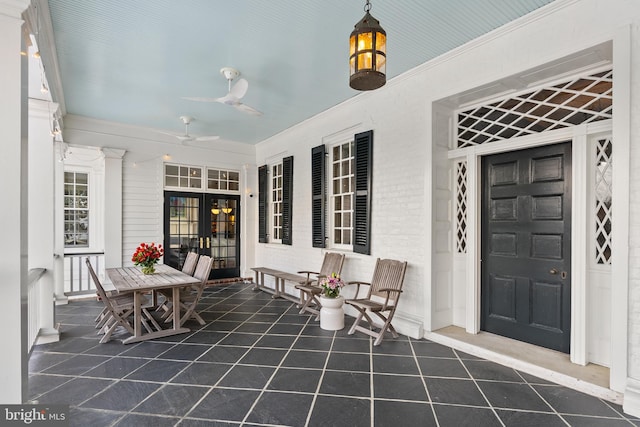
(229, 73)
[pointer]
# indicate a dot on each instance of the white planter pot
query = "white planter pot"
(331, 313)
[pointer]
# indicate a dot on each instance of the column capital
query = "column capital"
(42, 106)
(113, 153)
(13, 8)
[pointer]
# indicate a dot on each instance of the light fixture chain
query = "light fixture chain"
(367, 7)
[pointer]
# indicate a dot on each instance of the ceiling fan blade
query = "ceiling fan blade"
(246, 109)
(239, 89)
(199, 99)
(207, 138)
(184, 138)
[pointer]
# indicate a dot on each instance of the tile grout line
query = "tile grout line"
(541, 397)
(424, 383)
(475, 382)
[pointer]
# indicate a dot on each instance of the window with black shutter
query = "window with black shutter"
(263, 194)
(318, 185)
(362, 203)
(287, 200)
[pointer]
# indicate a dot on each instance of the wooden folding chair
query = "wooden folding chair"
(190, 296)
(190, 263)
(119, 307)
(311, 290)
(190, 300)
(188, 267)
(382, 299)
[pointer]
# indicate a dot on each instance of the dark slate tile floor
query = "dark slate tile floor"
(257, 362)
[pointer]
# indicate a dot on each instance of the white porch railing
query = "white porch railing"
(77, 280)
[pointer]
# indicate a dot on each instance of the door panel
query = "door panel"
(207, 224)
(526, 259)
(181, 227)
(223, 241)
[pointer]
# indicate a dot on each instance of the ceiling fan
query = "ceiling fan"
(235, 94)
(188, 138)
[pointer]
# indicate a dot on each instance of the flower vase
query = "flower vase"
(331, 313)
(148, 269)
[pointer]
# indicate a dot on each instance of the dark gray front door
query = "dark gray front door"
(526, 245)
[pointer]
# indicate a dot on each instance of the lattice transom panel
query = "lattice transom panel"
(603, 173)
(461, 207)
(582, 100)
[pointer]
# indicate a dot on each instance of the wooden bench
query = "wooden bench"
(280, 278)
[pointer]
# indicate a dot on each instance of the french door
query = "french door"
(526, 245)
(207, 224)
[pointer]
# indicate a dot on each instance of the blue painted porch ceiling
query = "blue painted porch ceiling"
(133, 61)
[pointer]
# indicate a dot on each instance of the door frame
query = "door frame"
(203, 223)
(495, 263)
(578, 136)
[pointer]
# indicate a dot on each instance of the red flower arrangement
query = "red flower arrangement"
(147, 256)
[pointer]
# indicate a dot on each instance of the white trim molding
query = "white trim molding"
(632, 397)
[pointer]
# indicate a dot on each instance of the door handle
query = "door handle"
(208, 243)
(563, 274)
(201, 245)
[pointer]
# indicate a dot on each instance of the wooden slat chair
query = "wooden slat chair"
(382, 298)
(190, 296)
(119, 307)
(190, 301)
(310, 290)
(190, 263)
(188, 267)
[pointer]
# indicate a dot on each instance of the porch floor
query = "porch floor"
(258, 362)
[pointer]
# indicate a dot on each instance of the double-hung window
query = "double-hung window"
(275, 202)
(341, 194)
(347, 206)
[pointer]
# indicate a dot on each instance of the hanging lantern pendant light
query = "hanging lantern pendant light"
(367, 53)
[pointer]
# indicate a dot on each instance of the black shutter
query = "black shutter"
(362, 204)
(263, 237)
(287, 199)
(318, 183)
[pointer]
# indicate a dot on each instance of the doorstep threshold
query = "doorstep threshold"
(541, 362)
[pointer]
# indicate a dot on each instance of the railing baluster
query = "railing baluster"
(77, 282)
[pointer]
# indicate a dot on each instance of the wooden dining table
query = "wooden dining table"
(131, 279)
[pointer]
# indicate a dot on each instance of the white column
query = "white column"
(112, 207)
(58, 225)
(41, 211)
(13, 175)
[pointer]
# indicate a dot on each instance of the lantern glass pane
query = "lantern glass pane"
(364, 61)
(352, 65)
(381, 42)
(381, 63)
(365, 41)
(352, 45)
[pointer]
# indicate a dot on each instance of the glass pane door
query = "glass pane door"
(223, 241)
(182, 227)
(208, 224)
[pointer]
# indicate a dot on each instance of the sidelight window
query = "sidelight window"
(76, 209)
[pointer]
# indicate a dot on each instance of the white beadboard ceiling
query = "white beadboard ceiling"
(133, 61)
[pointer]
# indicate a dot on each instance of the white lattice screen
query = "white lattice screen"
(603, 173)
(581, 100)
(461, 207)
